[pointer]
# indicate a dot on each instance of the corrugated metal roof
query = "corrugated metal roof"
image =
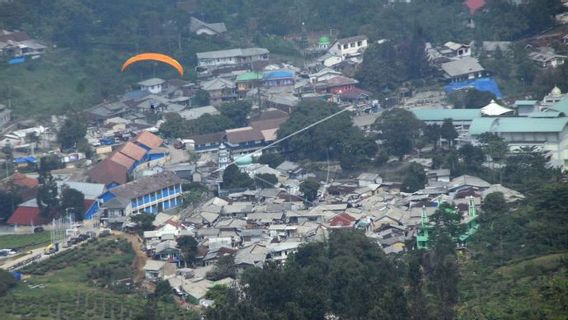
(441, 114)
(561, 106)
(517, 124)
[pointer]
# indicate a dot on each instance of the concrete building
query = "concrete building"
(231, 57)
(151, 194)
(349, 47)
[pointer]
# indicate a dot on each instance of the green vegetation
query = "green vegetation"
(24, 241)
(309, 189)
(7, 281)
(265, 180)
(89, 282)
(399, 130)
(233, 178)
(9, 200)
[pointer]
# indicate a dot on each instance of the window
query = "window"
(359, 43)
(352, 44)
(345, 46)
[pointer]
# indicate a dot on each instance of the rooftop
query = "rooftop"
(441, 114)
(146, 185)
(232, 53)
(461, 67)
(517, 124)
(151, 82)
(351, 39)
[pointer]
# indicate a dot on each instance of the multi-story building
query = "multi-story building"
(151, 194)
(349, 47)
(231, 57)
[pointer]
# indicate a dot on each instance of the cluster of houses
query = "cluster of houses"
(256, 226)
(17, 46)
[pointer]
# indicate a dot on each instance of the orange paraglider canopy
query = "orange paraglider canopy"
(155, 57)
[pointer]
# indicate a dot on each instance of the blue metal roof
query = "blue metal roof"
(278, 74)
(480, 84)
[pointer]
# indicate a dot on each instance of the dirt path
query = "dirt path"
(140, 260)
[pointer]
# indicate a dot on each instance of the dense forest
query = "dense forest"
(515, 268)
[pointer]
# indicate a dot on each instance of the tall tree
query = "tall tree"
(398, 130)
(414, 178)
(233, 178)
(73, 201)
(188, 247)
(237, 111)
(47, 195)
(72, 132)
(309, 189)
(448, 132)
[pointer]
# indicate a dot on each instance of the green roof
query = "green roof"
(324, 40)
(561, 106)
(441, 114)
(525, 102)
(249, 76)
(517, 124)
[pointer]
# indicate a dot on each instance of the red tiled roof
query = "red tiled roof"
(148, 139)
(268, 124)
(133, 151)
(21, 180)
(121, 159)
(474, 5)
(107, 172)
(342, 220)
(26, 216)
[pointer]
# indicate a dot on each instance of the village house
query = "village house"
(152, 85)
(247, 81)
(547, 58)
(17, 45)
(278, 78)
(202, 28)
(349, 47)
(231, 57)
(467, 68)
(220, 90)
(155, 270)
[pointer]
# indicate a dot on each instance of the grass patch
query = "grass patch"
(24, 241)
(67, 287)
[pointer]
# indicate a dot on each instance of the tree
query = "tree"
(398, 130)
(431, 134)
(73, 201)
(237, 111)
(357, 151)
(472, 156)
(47, 195)
(471, 99)
(193, 193)
(50, 162)
(414, 179)
(9, 201)
(71, 132)
(225, 267)
(309, 189)
(494, 146)
(201, 98)
(143, 222)
(233, 178)
(448, 131)
(265, 180)
(7, 281)
(272, 159)
(188, 247)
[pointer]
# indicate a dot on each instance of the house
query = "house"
(152, 194)
(323, 74)
(293, 170)
(16, 45)
(155, 270)
(112, 170)
(208, 142)
(196, 113)
(438, 175)
(202, 28)
(153, 85)
(107, 110)
(455, 50)
(329, 60)
(231, 57)
(5, 115)
(278, 78)
(220, 90)
(467, 68)
(23, 185)
(248, 81)
(244, 139)
(253, 255)
(342, 221)
(28, 213)
(525, 107)
(279, 252)
(367, 179)
(335, 85)
(349, 47)
(549, 135)
(547, 58)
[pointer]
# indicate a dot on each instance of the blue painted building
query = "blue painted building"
(151, 194)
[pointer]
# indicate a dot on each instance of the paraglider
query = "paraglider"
(154, 57)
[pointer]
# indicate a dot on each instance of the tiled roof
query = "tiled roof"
(268, 124)
(132, 150)
(108, 171)
(245, 134)
(341, 220)
(146, 185)
(26, 216)
(216, 137)
(148, 139)
(21, 180)
(351, 39)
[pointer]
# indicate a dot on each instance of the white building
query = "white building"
(349, 47)
(152, 85)
(231, 57)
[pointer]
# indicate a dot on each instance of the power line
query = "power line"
(288, 136)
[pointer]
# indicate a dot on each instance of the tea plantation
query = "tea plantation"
(92, 281)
